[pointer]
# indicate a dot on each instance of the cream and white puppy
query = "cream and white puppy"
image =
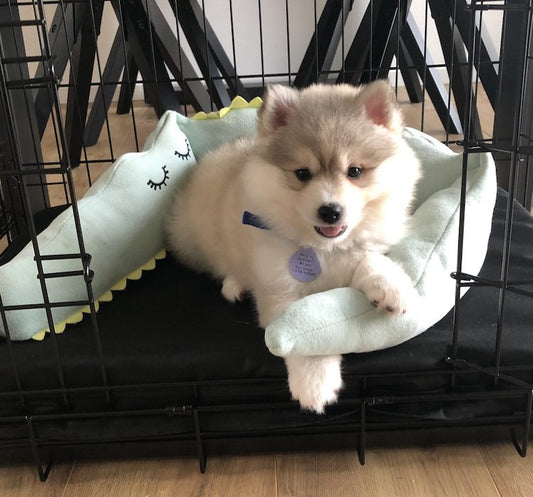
(312, 202)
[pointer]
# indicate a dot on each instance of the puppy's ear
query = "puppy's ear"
(380, 105)
(279, 103)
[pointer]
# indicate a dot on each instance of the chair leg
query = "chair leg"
(113, 68)
(219, 55)
(202, 54)
(148, 58)
(64, 30)
(409, 74)
(356, 57)
(438, 95)
(82, 62)
(177, 61)
(321, 50)
(456, 63)
(127, 87)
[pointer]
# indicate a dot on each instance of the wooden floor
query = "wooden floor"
(446, 465)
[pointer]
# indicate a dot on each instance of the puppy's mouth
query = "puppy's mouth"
(331, 231)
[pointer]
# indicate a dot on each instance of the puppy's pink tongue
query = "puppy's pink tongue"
(331, 231)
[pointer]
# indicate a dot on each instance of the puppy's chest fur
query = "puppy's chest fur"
(275, 260)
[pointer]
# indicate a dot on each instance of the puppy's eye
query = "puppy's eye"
(303, 174)
(354, 172)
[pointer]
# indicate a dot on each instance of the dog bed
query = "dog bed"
(337, 321)
(342, 320)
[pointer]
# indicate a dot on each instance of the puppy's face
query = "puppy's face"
(329, 158)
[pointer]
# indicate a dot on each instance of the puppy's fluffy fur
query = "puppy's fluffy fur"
(328, 169)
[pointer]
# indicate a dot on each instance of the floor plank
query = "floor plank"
(512, 474)
(434, 468)
(21, 480)
(313, 474)
(226, 476)
(437, 471)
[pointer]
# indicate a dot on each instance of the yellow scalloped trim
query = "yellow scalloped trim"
(107, 296)
(236, 103)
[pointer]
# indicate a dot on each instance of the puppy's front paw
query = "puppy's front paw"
(396, 297)
(314, 381)
(231, 290)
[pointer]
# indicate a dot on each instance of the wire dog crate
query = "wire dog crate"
(83, 81)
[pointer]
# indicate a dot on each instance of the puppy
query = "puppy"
(312, 202)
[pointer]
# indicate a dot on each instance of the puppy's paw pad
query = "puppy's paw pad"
(394, 299)
(231, 290)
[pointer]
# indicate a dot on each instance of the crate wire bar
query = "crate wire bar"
(182, 60)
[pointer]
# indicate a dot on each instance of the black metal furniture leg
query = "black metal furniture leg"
(414, 44)
(219, 55)
(14, 221)
(456, 62)
(81, 71)
(64, 30)
(146, 53)
(354, 63)
(177, 61)
(202, 54)
(323, 45)
(485, 55)
(508, 131)
(384, 40)
(127, 87)
(113, 68)
(409, 74)
(23, 121)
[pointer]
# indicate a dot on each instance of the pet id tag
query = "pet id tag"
(304, 265)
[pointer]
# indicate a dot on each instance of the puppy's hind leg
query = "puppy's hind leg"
(231, 290)
(314, 381)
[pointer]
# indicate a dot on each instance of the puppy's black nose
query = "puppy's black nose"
(330, 213)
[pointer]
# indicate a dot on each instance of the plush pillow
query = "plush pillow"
(342, 320)
(122, 223)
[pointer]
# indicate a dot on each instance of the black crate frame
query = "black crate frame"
(24, 175)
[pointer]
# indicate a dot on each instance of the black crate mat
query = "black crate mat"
(170, 339)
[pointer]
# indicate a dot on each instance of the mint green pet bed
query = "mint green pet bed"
(122, 220)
